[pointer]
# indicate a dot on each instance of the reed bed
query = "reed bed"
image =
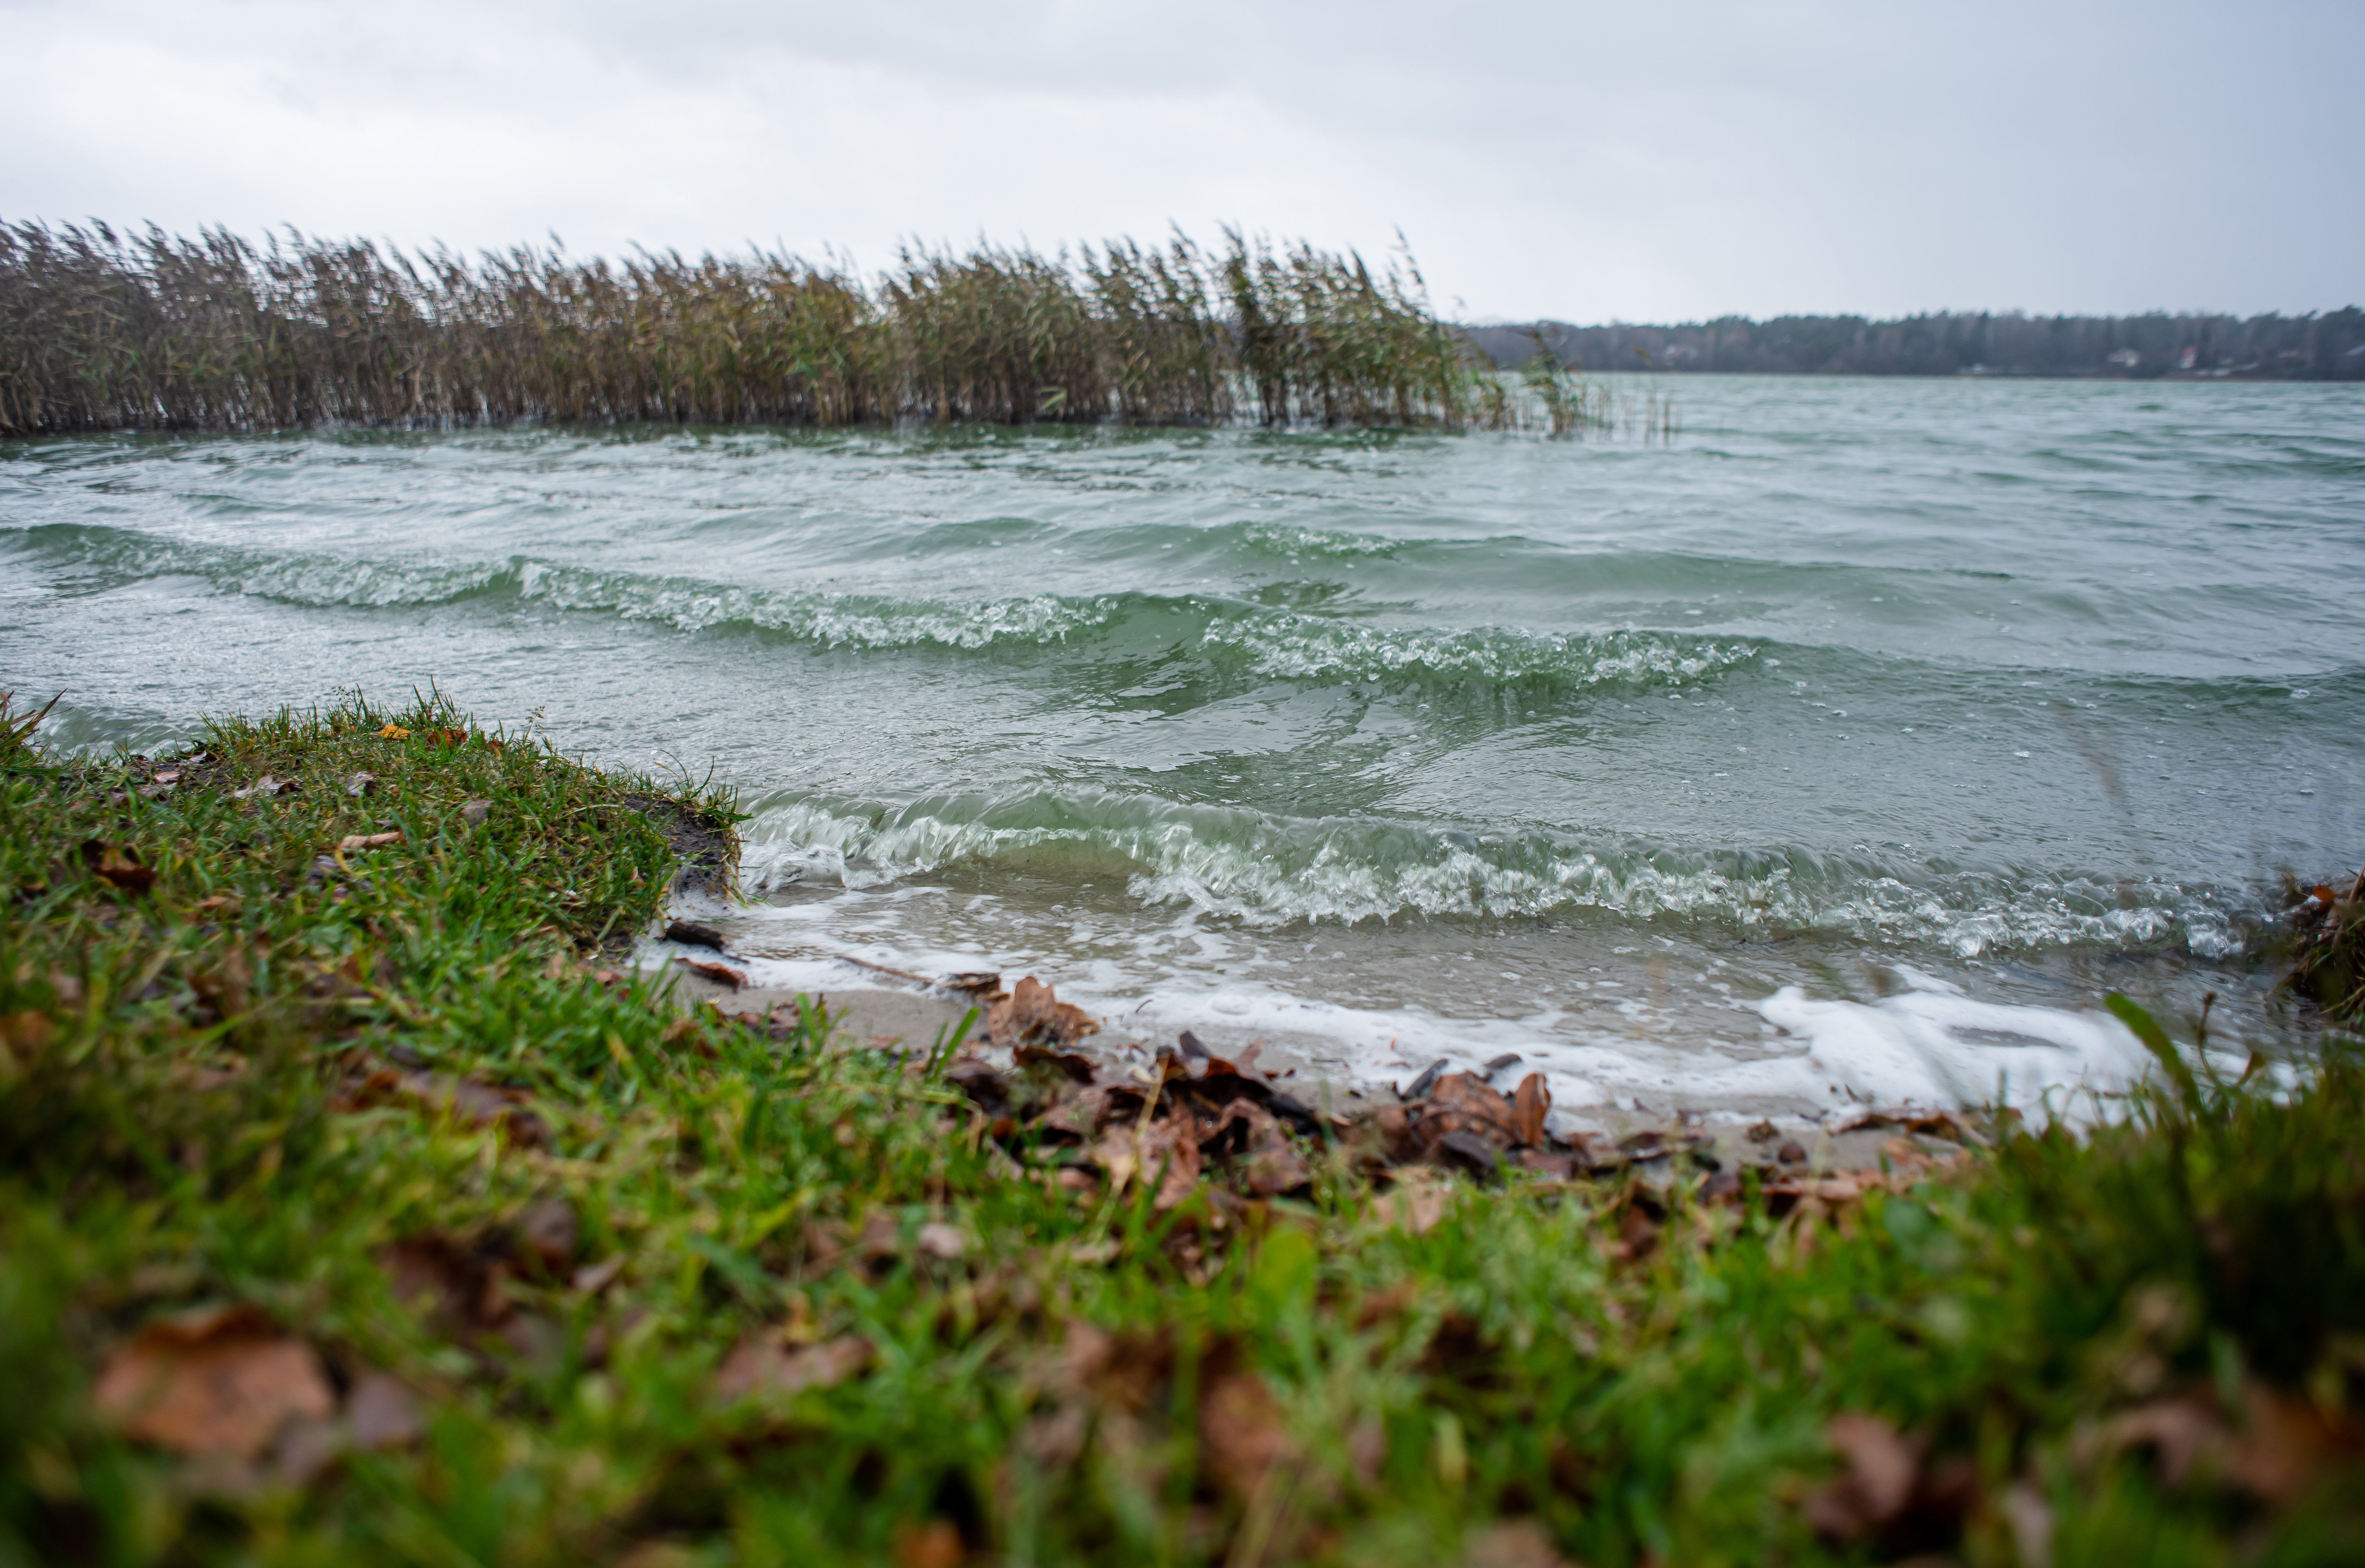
(101, 330)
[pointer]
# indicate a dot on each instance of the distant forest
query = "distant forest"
(2327, 347)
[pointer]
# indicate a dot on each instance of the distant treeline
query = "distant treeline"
(2327, 347)
(107, 330)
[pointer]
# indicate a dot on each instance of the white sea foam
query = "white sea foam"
(1931, 1044)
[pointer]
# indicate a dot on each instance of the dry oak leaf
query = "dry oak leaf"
(213, 1381)
(760, 1365)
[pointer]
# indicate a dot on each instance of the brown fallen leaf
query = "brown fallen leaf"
(1167, 1150)
(938, 1239)
(264, 787)
(1638, 1232)
(24, 1038)
(475, 1103)
(2275, 1453)
(1514, 1543)
(359, 784)
(447, 738)
(1122, 1370)
(659, 1553)
(453, 1288)
(1032, 1014)
(221, 1380)
(1875, 1486)
(475, 811)
(1081, 1114)
(1416, 1203)
(1077, 1067)
(593, 1278)
(760, 1365)
(1461, 1104)
(382, 1413)
(354, 841)
(1241, 1434)
(2285, 1445)
(393, 732)
(550, 1230)
(1827, 1189)
(118, 864)
(1274, 1164)
(1530, 1104)
(720, 974)
(2029, 1517)
(933, 1544)
(984, 985)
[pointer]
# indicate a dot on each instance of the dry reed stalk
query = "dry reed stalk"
(107, 330)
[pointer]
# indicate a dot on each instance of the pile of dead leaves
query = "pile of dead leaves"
(1163, 1125)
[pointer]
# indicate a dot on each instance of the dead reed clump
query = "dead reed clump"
(107, 330)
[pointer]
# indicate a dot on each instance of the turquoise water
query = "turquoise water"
(1913, 698)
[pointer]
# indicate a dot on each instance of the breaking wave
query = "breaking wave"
(1265, 869)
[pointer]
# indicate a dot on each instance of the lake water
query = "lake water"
(1851, 746)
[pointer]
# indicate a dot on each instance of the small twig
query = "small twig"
(899, 974)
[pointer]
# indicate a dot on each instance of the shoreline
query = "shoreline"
(360, 1201)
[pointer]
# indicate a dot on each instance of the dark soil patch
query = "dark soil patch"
(704, 845)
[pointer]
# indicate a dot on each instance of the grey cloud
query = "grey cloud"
(1579, 160)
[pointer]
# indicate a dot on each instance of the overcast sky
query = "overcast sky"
(1581, 161)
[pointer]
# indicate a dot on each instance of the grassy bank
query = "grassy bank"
(353, 1209)
(100, 330)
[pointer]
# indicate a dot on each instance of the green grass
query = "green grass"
(188, 1116)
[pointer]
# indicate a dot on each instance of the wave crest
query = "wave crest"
(1270, 871)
